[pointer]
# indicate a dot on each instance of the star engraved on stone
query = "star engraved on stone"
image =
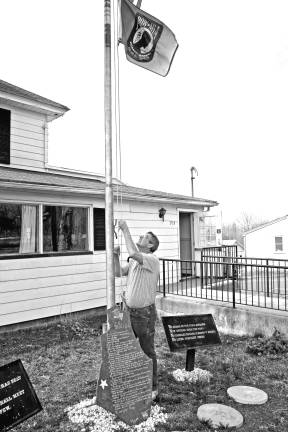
(103, 384)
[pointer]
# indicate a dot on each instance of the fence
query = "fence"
(228, 280)
(219, 251)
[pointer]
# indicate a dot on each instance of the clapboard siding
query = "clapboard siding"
(36, 135)
(48, 311)
(27, 274)
(40, 287)
(53, 261)
(26, 163)
(27, 140)
(29, 148)
(26, 117)
(143, 217)
(52, 300)
(19, 126)
(27, 154)
(50, 284)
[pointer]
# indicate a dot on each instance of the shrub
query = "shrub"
(273, 345)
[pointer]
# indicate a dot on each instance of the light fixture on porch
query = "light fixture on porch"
(162, 212)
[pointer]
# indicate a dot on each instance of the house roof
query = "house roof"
(232, 242)
(92, 185)
(17, 96)
(264, 225)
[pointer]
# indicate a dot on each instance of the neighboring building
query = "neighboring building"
(234, 243)
(269, 240)
(52, 220)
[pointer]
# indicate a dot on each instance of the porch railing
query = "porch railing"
(227, 280)
(219, 251)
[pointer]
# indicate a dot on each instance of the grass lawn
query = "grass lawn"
(63, 360)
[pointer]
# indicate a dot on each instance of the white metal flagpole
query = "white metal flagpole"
(109, 217)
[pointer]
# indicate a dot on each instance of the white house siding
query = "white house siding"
(143, 217)
(43, 287)
(27, 139)
(261, 242)
(33, 288)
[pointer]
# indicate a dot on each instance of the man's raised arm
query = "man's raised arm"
(130, 245)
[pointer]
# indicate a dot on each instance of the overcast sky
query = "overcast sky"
(223, 108)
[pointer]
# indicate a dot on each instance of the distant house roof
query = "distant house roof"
(264, 225)
(93, 185)
(17, 96)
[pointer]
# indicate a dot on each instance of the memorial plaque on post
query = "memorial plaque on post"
(125, 380)
(18, 400)
(190, 331)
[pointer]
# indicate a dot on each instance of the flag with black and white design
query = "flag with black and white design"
(149, 43)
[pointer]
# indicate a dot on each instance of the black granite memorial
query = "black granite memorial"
(125, 380)
(18, 400)
(186, 332)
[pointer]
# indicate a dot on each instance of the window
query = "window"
(207, 231)
(65, 229)
(18, 228)
(4, 136)
(279, 244)
(99, 228)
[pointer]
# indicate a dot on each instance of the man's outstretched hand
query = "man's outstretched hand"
(122, 224)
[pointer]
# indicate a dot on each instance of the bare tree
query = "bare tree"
(245, 222)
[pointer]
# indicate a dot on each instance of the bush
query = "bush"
(273, 345)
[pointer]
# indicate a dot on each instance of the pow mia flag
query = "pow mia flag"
(149, 43)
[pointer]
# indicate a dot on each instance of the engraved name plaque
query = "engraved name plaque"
(190, 331)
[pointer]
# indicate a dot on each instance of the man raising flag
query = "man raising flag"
(149, 43)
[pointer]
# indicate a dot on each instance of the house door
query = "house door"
(186, 242)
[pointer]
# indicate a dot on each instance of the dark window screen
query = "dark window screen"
(4, 136)
(99, 228)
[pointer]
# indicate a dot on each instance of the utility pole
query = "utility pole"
(109, 217)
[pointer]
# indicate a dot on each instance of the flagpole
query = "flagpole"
(109, 217)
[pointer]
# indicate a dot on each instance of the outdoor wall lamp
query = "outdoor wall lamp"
(162, 212)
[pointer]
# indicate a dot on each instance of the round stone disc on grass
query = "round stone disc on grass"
(247, 395)
(218, 415)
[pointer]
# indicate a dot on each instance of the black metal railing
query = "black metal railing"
(226, 280)
(219, 251)
(246, 260)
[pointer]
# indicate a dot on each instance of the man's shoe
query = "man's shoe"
(154, 395)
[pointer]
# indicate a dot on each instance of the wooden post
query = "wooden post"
(190, 359)
(109, 218)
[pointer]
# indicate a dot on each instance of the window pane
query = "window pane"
(207, 231)
(65, 229)
(18, 229)
(278, 243)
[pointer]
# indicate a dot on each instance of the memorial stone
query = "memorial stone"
(18, 400)
(125, 380)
